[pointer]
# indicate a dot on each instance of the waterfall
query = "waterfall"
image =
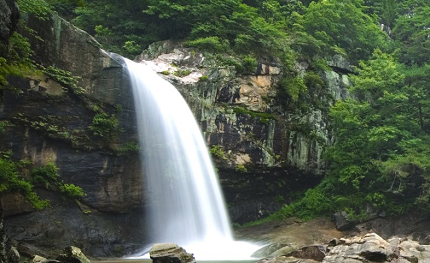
(186, 205)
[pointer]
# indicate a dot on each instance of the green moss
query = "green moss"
(204, 78)
(218, 151)
(264, 116)
(241, 168)
(182, 73)
(127, 148)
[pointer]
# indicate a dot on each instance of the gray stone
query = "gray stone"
(315, 252)
(340, 63)
(73, 254)
(342, 221)
(170, 253)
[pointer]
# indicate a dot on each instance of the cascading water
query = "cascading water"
(186, 204)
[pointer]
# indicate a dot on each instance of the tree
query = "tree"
(343, 28)
(412, 31)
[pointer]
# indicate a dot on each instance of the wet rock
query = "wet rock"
(170, 253)
(73, 255)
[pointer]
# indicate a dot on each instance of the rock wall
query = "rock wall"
(49, 121)
(263, 151)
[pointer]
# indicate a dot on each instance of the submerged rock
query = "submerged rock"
(170, 253)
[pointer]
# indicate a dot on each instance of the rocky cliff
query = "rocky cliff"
(49, 119)
(263, 151)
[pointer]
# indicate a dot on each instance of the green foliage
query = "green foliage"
(250, 64)
(182, 73)
(16, 58)
(13, 181)
(105, 126)
(341, 27)
(263, 116)
(64, 77)
(204, 78)
(40, 8)
(214, 44)
(411, 30)
(4, 125)
(71, 190)
(218, 151)
(129, 147)
(293, 87)
(47, 176)
(241, 168)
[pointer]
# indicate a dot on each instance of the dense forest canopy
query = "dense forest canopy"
(380, 155)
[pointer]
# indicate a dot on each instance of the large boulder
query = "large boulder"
(170, 253)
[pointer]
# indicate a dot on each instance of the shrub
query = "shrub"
(105, 126)
(218, 151)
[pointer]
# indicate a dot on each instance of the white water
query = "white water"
(186, 204)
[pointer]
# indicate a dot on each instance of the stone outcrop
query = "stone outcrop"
(170, 253)
(263, 150)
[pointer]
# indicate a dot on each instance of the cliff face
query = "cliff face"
(262, 151)
(49, 121)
